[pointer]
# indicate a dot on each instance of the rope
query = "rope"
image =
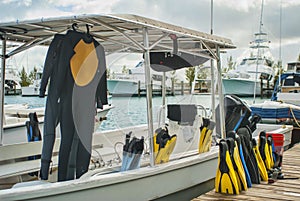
(295, 119)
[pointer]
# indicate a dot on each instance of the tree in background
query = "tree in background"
(32, 75)
(230, 65)
(299, 57)
(125, 70)
(25, 81)
(108, 73)
(190, 75)
(173, 76)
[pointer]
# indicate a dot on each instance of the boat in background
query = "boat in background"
(133, 82)
(284, 106)
(256, 67)
(287, 88)
(17, 114)
(34, 88)
(293, 67)
(12, 82)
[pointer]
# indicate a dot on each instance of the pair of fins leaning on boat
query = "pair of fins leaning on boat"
(243, 162)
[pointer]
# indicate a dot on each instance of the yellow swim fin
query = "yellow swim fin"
(202, 138)
(163, 145)
(261, 165)
(264, 150)
(165, 156)
(237, 164)
(269, 142)
(225, 181)
(206, 136)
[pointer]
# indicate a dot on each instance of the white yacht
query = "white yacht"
(133, 82)
(256, 67)
(245, 79)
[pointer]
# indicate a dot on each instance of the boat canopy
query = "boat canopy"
(116, 33)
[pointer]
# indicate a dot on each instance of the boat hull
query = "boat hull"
(147, 183)
(122, 87)
(240, 87)
(30, 91)
(292, 98)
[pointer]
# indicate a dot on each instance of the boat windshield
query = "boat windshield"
(251, 61)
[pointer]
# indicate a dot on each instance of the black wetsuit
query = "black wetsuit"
(50, 72)
(82, 74)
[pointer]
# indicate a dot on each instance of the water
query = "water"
(129, 111)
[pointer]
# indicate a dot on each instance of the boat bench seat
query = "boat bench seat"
(23, 167)
(14, 162)
(13, 158)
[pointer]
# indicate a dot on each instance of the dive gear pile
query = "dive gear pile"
(242, 161)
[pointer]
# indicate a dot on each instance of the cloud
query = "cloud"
(237, 20)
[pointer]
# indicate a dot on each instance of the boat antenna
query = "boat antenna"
(261, 16)
(258, 49)
(280, 59)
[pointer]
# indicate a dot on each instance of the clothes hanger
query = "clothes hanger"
(75, 26)
(88, 26)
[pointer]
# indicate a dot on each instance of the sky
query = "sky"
(237, 20)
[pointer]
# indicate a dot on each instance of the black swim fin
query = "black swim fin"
(249, 155)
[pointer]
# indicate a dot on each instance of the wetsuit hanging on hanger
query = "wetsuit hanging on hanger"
(84, 66)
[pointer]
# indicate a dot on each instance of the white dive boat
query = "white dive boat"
(133, 82)
(33, 89)
(256, 67)
(287, 87)
(186, 168)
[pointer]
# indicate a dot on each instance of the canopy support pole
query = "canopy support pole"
(221, 97)
(213, 99)
(3, 59)
(163, 95)
(148, 93)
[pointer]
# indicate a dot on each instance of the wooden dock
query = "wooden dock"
(286, 189)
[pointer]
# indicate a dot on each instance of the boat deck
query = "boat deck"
(286, 189)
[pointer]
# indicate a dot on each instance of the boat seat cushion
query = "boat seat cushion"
(182, 113)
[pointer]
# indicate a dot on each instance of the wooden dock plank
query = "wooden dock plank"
(285, 189)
